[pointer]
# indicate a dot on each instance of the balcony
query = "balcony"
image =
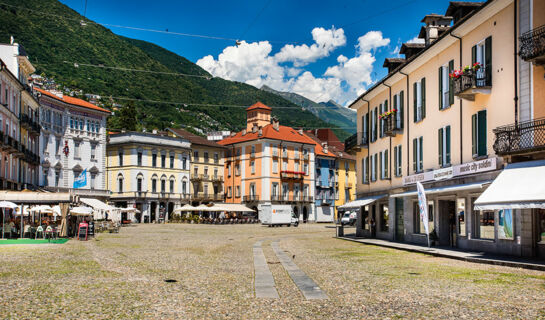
(532, 46)
(355, 142)
(524, 137)
(307, 199)
(216, 178)
(251, 198)
(291, 175)
(471, 83)
(391, 125)
(275, 153)
(199, 177)
(305, 156)
(25, 121)
(284, 154)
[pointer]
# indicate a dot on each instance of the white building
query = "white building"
(73, 142)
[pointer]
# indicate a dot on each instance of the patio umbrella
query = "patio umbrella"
(185, 208)
(81, 211)
(56, 210)
(41, 209)
(4, 205)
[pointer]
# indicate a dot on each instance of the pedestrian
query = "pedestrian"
(373, 228)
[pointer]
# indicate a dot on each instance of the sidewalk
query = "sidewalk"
(478, 257)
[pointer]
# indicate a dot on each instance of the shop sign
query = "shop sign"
(454, 171)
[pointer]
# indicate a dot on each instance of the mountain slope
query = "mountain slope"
(55, 40)
(331, 112)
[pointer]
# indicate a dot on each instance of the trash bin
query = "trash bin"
(340, 230)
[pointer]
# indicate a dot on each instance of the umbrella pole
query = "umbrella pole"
(3, 222)
(22, 215)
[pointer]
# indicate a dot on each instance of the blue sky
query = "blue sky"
(288, 45)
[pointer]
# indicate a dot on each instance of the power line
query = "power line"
(378, 14)
(255, 19)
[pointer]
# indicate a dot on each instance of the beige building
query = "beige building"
(429, 120)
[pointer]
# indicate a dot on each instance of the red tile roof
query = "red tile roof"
(259, 105)
(283, 134)
(318, 149)
(194, 139)
(73, 101)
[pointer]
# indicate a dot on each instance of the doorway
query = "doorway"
(399, 224)
(305, 214)
(170, 210)
(447, 223)
(153, 208)
(540, 233)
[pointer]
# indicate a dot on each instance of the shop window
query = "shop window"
(484, 225)
(417, 221)
(461, 216)
(384, 218)
(505, 224)
(541, 224)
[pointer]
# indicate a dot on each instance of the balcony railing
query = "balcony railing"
(392, 126)
(296, 175)
(251, 198)
(291, 198)
(355, 142)
(532, 45)
(471, 83)
(524, 137)
(216, 178)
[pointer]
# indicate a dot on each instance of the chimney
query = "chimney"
(300, 131)
(324, 146)
(435, 23)
(254, 127)
(260, 131)
(276, 123)
(243, 132)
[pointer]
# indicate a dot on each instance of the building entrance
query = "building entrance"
(399, 224)
(447, 223)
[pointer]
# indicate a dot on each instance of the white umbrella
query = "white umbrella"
(81, 211)
(204, 207)
(185, 208)
(41, 209)
(56, 210)
(4, 205)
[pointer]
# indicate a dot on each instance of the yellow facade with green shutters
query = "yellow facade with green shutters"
(346, 177)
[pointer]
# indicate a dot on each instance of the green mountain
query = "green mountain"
(59, 45)
(331, 112)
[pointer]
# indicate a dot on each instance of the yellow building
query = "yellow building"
(432, 119)
(206, 167)
(149, 172)
(346, 178)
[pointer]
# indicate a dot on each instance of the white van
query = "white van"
(278, 215)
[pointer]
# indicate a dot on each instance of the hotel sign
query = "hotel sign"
(454, 171)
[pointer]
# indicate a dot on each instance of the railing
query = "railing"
(472, 80)
(200, 177)
(527, 136)
(356, 141)
(291, 175)
(251, 198)
(391, 125)
(532, 44)
(217, 178)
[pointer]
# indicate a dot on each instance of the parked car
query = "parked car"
(349, 218)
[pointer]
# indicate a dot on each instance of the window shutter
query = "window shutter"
(420, 161)
(395, 160)
(488, 60)
(401, 111)
(415, 102)
(450, 83)
(474, 135)
(447, 138)
(481, 139)
(381, 166)
(441, 88)
(376, 122)
(362, 124)
(399, 158)
(367, 169)
(386, 164)
(473, 54)
(363, 170)
(381, 124)
(440, 146)
(423, 94)
(415, 150)
(375, 162)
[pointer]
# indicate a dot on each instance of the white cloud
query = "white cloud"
(416, 40)
(325, 41)
(252, 63)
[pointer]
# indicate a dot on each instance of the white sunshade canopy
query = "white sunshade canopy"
(97, 204)
(7, 204)
(519, 186)
(81, 211)
(235, 207)
(446, 189)
(361, 202)
(185, 208)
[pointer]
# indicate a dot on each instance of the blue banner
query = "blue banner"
(81, 180)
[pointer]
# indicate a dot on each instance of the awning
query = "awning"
(446, 189)
(33, 197)
(185, 208)
(235, 207)
(519, 186)
(361, 202)
(97, 204)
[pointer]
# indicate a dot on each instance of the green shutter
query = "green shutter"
(395, 161)
(421, 160)
(440, 146)
(414, 154)
(447, 138)
(399, 158)
(381, 121)
(474, 135)
(415, 101)
(367, 168)
(488, 61)
(473, 54)
(375, 160)
(423, 87)
(481, 138)
(441, 88)
(380, 164)
(375, 118)
(386, 164)
(363, 170)
(450, 83)
(401, 111)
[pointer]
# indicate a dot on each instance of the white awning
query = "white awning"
(185, 208)
(235, 207)
(519, 186)
(361, 202)
(446, 189)
(97, 204)
(34, 197)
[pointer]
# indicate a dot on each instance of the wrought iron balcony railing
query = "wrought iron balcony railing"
(472, 83)
(251, 198)
(532, 45)
(391, 125)
(524, 137)
(356, 141)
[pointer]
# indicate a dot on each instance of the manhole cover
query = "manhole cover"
(170, 280)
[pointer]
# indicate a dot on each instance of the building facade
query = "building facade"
(207, 167)
(149, 172)
(346, 180)
(432, 119)
(268, 165)
(73, 145)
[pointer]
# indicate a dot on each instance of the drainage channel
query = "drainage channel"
(263, 281)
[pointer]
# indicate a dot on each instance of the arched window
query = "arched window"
(184, 185)
(154, 183)
(139, 179)
(120, 183)
(164, 183)
(171, 184)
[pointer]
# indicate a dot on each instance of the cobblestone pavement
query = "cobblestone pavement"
(122, 276)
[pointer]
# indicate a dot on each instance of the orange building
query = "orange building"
(267, 165)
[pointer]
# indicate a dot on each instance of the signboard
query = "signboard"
(454, 171)
(82, 231)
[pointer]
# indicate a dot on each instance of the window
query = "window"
(284, 165)
(163, 160)
(374, 167)
(478, 134)
(446, 91)
(139, 158)
(365, 129)
(171, 185)
(229, 190)
(417, 221)
(541, 223)
(237, 169)
(206, 156)
(296, 167)
(163, 185)
(196, 171)
(444, 146)
(120, 183)
(284, 151)
(484, 228)
(274, 191)
(275, 166)
(384, 217)
(46, 173)
(93, 150)
(383, 156)
(93, 178)
(184, 187)
(76, 149)
(365, 170)
(461, 217)
(383, 107)
(237, 191)
(216, 158)
(305, 169)
(399, 101)
(398, 156)
(154, 160)
(253, 152)
(419, 95)
(374, 115)
(71, 123)
(184, 164)
(57, 176)
(154, 185)
(482, 53)
(139, 184)
(229, 170)
(285, 191)
(172, 161)
(196, 155)
(57, 146)
(296, 150)
(252, 166)
(418, 155)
